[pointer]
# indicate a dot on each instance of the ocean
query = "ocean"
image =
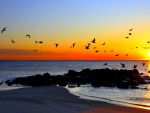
(139, 98)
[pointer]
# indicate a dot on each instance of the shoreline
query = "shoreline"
(53, 99)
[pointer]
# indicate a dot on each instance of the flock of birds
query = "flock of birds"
(94, 41)
(86, 46)
(124, 66)
(73, 45)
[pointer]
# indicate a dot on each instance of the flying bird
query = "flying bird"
(93, 41)
(111, 50)
(94, 47)
(4, 29)
(127, 36)
(122, 65)
(28, 36)
(135, 66)
(35, 50)
(130, 33)
(56, 45)
(126, 54)
(105, 64)
(73, 45)
(131, 29)
(87, 47)
(148, 42)
(143, 64)
(103, 43)
(12, 41)
(96, 51)
(36, 41)
(88, 44)
(40, 42)
(117, 55)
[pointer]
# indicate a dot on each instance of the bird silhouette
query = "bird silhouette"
(126, 54)
(93, 41)
(73, 44)
(28, 35)
(105, 51)
(4, 29)
(105, 64)
(35, 50)
(94, 47)
(103, 43)
(40, 42)
(148, 42)
(56, 45)
(135, 66)
(117, 55)
(130, 33)
(143, 64)
(36, 41)
(96, 51)
(87, 47)
(12, 41)
(127, 36)
(88, 44)
(111, 50)
(122, 65)
(131, 29)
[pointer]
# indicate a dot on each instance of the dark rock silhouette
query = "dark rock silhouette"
(96, 77)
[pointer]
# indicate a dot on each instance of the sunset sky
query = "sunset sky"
(75, 21)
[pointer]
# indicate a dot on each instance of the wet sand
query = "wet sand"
(52, 99)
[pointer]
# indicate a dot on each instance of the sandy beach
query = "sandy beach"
(52, 99)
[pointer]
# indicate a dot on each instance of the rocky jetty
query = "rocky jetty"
(96, 77)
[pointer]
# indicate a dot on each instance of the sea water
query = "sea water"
(129, 97)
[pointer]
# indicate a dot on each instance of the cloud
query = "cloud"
(27, 52)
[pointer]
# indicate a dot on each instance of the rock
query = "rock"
(71, 86)
(107, 84)
(96, 77)
(123, 85)
(95, 83)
